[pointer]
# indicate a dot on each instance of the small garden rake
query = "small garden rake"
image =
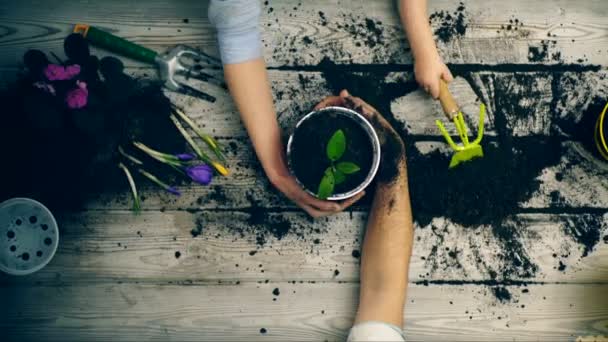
(466, 150)
(169, 64)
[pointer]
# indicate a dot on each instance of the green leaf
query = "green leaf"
(339, 176)
(336, 146)
(348, 167)
(326, 187)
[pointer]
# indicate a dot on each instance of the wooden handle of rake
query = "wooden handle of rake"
(448, 103)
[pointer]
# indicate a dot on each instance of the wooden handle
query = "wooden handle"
(449, 105)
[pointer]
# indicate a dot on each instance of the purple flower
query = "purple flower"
(72, 70)
(55, 72)
(201, 174)
(77, 98)
(185, 156)
(173, 190)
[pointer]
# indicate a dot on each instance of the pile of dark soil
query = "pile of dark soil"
(62, 156)
(309, 158)
(489, 190)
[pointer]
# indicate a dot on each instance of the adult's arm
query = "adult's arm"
(387, 246)
(388, 240)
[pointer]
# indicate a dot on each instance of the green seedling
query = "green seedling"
(338, 170)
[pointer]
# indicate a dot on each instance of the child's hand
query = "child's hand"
(428, 73)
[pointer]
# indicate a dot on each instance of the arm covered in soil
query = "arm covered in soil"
(388, 240)
(386, 253)
(428, 65)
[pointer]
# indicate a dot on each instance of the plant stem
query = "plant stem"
(136, 201)
(158, 182)
(129, 157)
(209, 140)
(161, 157)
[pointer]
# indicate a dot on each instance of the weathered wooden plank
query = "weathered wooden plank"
(121, 247)
(578, 180)
(530, 103)
(303, 312)
(303, 33)
(531, 110)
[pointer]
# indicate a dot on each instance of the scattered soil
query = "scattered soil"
(544, 52)
(489, 191)
(309, 158)
(450, 25)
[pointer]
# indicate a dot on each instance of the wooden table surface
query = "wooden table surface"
(116, 276)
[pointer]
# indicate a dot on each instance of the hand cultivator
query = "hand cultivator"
(180, 60)
(466, 150)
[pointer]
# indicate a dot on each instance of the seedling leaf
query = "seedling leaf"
(336, 146)
(339, 176)
(326, 187)
(348, 167)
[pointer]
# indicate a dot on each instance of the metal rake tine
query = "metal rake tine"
(205, 77)
(188, 90)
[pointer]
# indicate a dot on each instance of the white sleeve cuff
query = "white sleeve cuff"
(238, 29)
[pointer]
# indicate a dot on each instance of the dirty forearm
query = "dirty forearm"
(415, 21)
(249, 86)
(386, 252)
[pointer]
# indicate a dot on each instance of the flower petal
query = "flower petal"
(77, 98)
(185, 156)
(202, 174)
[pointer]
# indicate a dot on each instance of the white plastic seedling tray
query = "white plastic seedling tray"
(29, 236)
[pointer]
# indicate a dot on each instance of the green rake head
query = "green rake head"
(466, 150)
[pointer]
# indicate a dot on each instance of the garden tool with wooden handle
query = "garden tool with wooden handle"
(466, 150)
(169, 64)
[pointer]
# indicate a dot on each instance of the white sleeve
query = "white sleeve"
(375, 331)
(238, 29)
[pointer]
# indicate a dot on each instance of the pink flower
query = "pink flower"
(72, 70)
(55, 72)
(77, 98)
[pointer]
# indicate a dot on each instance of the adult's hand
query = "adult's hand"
(383, 128)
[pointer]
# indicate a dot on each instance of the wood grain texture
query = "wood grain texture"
(582, 176)
(577, 183)
(578, 29)
(118, 276)
(302, 312)
(114, 246)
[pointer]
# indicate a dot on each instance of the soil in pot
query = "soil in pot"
(309, 160)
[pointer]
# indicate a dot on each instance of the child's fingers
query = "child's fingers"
(434, 90)
(312, 212)
(347, 203)
(447, 75)
(320, 204)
